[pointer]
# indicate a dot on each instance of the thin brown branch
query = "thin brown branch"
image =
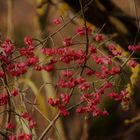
(5, 83)
(86, 33)
(49, 127)
(54, 120)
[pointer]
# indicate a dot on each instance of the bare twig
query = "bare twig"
(86, 33)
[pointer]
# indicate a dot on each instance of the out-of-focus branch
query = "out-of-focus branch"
(9, 19)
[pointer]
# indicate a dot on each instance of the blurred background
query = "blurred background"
(20, 18)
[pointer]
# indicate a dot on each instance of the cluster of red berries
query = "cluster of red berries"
(73, 78)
